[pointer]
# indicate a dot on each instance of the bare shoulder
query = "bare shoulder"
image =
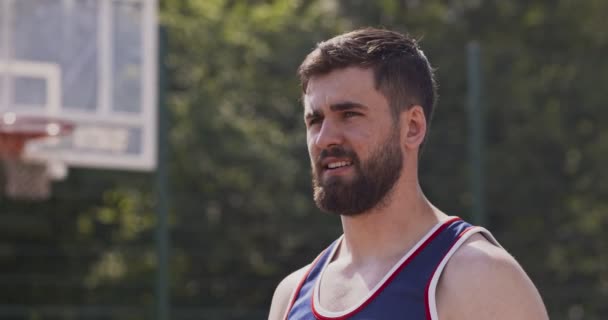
(483, 281)
(283, 292)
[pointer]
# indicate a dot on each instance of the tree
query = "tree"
(241, 210)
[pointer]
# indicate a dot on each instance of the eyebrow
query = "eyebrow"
(341, 106)
(347, 105)
(312, 114)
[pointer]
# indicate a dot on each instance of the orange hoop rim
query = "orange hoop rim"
(14, 124)
(16, 130)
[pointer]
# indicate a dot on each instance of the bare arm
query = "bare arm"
(282, 294)
(482, 281)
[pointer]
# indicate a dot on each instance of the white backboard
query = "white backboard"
(92, 62)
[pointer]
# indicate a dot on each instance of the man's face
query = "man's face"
(353, 142)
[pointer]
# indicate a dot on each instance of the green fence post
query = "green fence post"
(162, 226)
(476, 131)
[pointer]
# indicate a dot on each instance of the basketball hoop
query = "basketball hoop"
(25, 179)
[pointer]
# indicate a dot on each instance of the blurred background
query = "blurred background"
(235, 180)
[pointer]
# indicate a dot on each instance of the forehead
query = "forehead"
(351, 84)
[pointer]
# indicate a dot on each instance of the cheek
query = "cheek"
(365, 142)
(360, 138)
(309, 142)
(310, 147)
(360, 127)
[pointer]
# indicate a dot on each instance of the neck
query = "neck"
(385, 233)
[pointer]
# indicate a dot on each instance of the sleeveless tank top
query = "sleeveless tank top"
(406, 292)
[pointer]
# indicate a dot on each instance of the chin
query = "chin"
(335, 181)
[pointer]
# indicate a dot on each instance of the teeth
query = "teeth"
(334, 165)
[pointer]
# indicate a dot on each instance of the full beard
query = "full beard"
(371, 185)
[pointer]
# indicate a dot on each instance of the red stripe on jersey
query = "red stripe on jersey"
(299, 287)
(388, 281)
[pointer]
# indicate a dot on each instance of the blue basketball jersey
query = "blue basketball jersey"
(406, 292)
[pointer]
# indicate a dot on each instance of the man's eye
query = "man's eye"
(350, 114)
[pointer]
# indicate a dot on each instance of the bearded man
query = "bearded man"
(368, 100)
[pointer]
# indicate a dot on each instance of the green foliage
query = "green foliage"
(237, 144)
(241, 210)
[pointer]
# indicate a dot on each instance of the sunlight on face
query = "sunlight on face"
(353, 142)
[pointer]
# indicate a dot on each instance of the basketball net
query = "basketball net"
(23, 179)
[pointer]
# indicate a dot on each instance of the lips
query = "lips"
(335, 165)
(338, 164)
(335, 158)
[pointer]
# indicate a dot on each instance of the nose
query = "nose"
(328, 135)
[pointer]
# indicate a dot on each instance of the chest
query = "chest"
(374, 295)
(405, 291)
(341, 288)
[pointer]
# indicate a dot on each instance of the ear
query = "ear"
(413, 127)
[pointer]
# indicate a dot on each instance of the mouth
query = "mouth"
(337, 165)
(333, 167)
